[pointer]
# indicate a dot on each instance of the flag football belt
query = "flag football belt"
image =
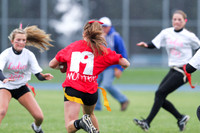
(31, 88)
(185, 75)
(79, 100)
(181, 71)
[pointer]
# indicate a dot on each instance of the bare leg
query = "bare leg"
(29, 102)
(5, 97)
(71, 111)
(90, 111)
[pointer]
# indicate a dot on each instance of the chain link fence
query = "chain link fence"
(135, 20)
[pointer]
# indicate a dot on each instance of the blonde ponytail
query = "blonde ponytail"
(37, 38)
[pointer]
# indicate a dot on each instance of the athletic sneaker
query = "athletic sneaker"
(142, 123)
(86, 124)
(40, 131)
(182, 122)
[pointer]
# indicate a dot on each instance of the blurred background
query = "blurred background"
(135, 20)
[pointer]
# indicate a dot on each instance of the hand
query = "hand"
(188, 75)
(8, 80)
(118, 73)
(47, 76)
(124, 63)
(142, 44)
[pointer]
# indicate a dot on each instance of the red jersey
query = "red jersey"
(83, 67)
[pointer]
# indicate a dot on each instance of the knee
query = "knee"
(39, 117)
(159, 95)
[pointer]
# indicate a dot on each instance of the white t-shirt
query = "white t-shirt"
(195, 61)
(18, 67)
(179, 45)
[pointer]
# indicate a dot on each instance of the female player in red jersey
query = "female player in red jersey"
(85, 59)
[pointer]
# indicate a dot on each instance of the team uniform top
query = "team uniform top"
(195, 61)
(18, 67)
(179, 45)
(83, 67)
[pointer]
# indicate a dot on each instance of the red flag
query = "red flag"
(32, 88)
(188, 75)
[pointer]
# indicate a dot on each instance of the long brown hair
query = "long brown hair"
(35, 37)
(93, 33)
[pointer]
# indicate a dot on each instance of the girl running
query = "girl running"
(16, 65)
(85, 59)
(179, 43)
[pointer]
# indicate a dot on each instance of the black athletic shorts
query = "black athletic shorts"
(88, 99)
(17, 93)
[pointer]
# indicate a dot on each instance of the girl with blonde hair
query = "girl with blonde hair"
(16, 65)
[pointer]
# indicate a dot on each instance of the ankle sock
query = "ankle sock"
(36, 128)
(76, 124)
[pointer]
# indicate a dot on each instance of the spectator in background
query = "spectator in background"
(106, 78)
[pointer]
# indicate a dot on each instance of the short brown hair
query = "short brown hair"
(181, 13)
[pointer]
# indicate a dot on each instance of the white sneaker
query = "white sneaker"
(182, 122)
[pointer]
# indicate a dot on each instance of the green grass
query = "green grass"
(148, 76)
(18, 120)
(129, 76)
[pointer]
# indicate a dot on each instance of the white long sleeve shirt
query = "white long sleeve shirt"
(18, 67)
(195, 61)
(179, 45)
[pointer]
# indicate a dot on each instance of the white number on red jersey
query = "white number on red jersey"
(85, 58)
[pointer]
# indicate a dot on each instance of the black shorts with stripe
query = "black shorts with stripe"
(17, 93)
(88, 99)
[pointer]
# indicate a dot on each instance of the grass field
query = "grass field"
(18, 120)
(129, 76)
